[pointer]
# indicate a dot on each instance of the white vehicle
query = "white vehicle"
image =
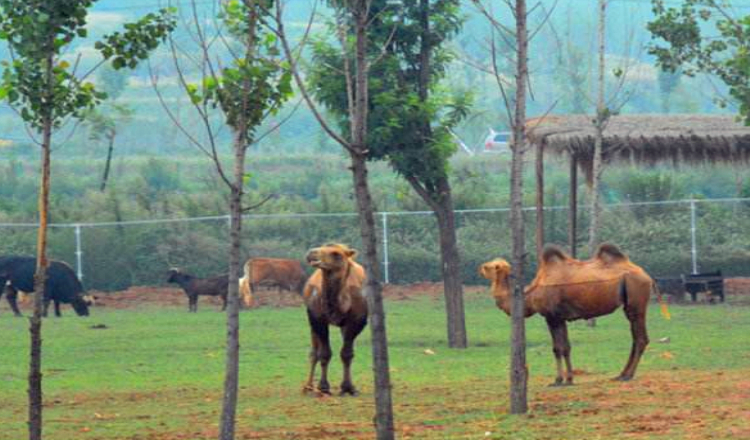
(497, 142)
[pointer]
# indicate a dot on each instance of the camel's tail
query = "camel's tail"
(662, 304)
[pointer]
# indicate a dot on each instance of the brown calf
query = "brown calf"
(278, 272)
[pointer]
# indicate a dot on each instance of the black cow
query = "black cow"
(194, 287)
(17, 273)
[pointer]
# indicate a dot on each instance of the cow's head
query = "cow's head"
(332, 256)
(90, 299)
(80, 305)
(175, 275)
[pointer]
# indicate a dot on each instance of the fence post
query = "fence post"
(386, 273)
(79, 252)
(694, 247)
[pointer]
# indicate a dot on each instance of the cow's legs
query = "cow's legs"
(223, 303)
(561, 349)
(57, 308)
(350, 333)
(193, 303)
(11, 296)
(638, 331)
(46, 306)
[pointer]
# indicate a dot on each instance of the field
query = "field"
(142, 368)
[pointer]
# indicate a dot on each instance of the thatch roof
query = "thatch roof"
(645, 139)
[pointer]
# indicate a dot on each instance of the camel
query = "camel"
(566, 289)
(333, 296)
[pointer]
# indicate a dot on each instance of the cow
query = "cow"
(279, 272)
(62, 285)
(195, 287)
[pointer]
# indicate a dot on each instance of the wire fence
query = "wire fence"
(666, 238)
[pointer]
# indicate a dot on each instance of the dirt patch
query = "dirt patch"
(175, 297)
(736, 289)
(737, 286)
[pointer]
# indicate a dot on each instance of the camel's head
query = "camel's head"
(498, 272)
(330, 257)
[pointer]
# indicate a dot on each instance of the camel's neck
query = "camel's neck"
(502, 294)
(333, 283)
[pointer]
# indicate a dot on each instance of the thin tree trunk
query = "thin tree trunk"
(441, 202)
(373, 289)
(40, 277)
(573, 208)
(373, 292)
(599, 123)
(108, 163)
(518, 370)
(539, 200)
(231, 375)
(451, 269)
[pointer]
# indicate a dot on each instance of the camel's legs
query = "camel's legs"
(313, 363)
(349, 333)
(324, 356)
(637, 320)
(561, 348)
(322, 351)
(566, 354)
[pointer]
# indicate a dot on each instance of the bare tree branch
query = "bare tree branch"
(298, 79)
(259, 204)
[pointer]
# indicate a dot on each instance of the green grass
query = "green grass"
(156, 373)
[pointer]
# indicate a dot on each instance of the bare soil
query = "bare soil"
(735, 288)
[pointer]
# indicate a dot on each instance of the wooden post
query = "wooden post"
(573, 206)
(539, 199)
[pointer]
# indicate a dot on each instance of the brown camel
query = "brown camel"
(566, 289)
(333, 296)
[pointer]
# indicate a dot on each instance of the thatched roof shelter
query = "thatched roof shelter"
(637, 139)
(645, 139)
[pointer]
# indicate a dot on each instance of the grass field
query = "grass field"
(155, 373)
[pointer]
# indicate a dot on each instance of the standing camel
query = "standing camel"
(333, 296)
(566, 289)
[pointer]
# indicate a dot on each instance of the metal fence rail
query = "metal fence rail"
(667, 238)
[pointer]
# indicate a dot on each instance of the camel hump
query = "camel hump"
(552, 254)
(610, 253)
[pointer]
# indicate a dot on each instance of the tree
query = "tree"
(103, 124)
(572, 69)
(47, 91)
(411, 128)
(519, 370)
(353, 138)
(518, 39)
(693, 49)
(248, 85)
